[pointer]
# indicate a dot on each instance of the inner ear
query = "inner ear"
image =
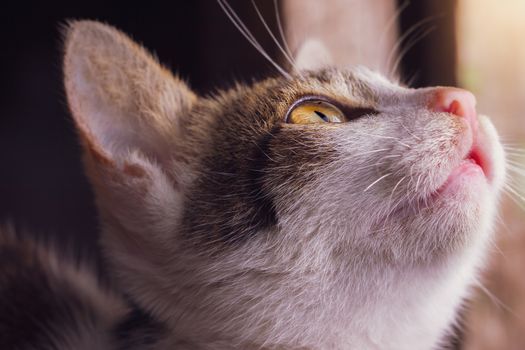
(121, 98)
(312, 55)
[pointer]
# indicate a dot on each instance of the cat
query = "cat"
(326, 208)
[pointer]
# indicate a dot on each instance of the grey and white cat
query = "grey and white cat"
(327, 209)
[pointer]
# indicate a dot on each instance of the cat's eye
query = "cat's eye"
(315, 112)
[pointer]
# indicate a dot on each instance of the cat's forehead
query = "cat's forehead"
(358, 82)
(353, 85)
(269, 101)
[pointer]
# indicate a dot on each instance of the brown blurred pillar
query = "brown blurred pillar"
(431, 60)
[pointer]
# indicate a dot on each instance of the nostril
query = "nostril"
(455, 101)
(456, 108)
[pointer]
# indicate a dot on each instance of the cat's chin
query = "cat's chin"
(466, 176)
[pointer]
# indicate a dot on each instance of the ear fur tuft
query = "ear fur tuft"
(312, 55)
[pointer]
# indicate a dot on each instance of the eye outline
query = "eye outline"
(349, 113)
(305, 99)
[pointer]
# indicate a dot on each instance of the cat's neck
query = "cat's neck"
(387, 308)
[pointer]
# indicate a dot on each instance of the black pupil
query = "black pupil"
(322, 116)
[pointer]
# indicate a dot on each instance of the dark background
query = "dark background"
(42, 186)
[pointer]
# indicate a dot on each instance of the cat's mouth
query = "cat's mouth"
(478, 157)
(469, 167)
(476, 163)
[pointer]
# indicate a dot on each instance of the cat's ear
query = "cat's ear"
(312, 55)
(128, 110)
(121, 98)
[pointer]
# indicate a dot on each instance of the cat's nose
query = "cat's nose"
(455, 101)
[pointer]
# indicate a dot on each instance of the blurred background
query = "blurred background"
(476, 44)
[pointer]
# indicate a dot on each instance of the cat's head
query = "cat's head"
(330, 171)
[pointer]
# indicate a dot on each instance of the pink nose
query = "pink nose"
(455, 101)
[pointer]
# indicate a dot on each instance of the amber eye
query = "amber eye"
(315, 112)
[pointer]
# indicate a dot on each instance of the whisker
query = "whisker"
(402, 38)
(376, 181)
(417, 38)
(514, 154)
(383, 137)
(515, 178)
(516, 175)
(516, 168)
(418, 181)
(516, 159)
(516, 146)
(517, 153)
(373, 151)
(409, 132)
(518, 203)
(515, 196)
(393, 19)
(410, 81)
(396, 186)
(516, 188)
(239, 24)
(509, 147)
(503, 224)
(497, 301)
(516, 181)
(263, 21)
(513, 150)
(370, 166)
(515, 165)
(281, 31)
